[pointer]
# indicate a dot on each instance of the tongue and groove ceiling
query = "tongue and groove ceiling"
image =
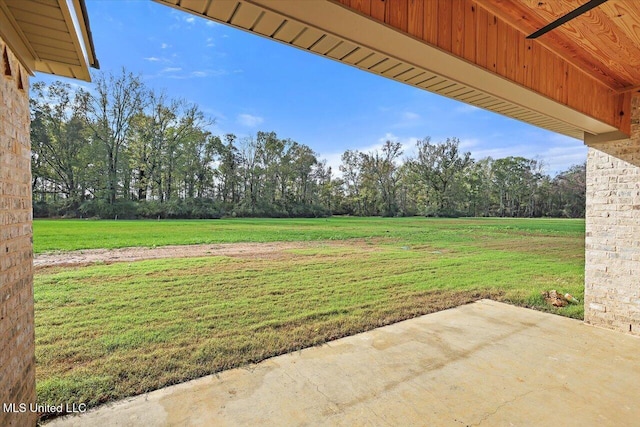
(604, 42)
(576, 80)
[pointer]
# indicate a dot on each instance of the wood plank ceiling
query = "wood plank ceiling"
(604, 42)
(568, 64)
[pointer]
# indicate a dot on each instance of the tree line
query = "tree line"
(122, 150)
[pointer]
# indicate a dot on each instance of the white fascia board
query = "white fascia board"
(364, 31)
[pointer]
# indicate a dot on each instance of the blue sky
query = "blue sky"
(248, 83)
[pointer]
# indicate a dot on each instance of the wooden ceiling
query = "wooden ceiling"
(604, 42)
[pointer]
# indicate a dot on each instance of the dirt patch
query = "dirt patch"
(245, 250)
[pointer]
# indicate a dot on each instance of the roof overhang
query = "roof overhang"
(50, 36)
(330, 29)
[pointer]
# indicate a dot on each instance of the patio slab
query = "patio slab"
(485, 363)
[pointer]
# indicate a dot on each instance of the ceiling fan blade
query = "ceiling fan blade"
(566, 18)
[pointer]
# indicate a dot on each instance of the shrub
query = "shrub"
(125, 209)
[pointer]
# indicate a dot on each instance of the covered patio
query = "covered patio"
(481, 363)
(485, 363)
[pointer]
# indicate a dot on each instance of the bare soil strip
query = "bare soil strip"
(108, 256)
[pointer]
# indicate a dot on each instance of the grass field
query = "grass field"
(108, 331)
(69, 235)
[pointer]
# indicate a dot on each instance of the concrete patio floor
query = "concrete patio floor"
(485, 363)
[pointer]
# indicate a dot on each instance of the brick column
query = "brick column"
(612, 262)
(17, 357)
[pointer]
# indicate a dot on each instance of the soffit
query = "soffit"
(330, 30)
(50, 36)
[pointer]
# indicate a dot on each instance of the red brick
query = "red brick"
(17, 371)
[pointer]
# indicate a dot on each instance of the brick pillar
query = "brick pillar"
(17, 357)
(612, 263)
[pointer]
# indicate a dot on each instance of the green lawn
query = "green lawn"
(108, 331)
(68, 235)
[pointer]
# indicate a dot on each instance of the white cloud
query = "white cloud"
(468, 144)
(189, 19)
(210, 42)
(179, 73)
(557, 154)
(497, 153)
(208, 73)
(466, 108)
(334, 160)
(408, 142)
(249, 120)
(165, 46)
(410, 116)
(212, 112)
(407, 119)
(152, 59)
(558, 159)
(76, 86)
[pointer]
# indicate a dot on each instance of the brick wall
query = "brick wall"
(17, 360)
(612, 264)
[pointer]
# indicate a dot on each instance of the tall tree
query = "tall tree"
(386, 170)
(438, 166)
(188, 124)
(303, 161)
(252, 172)
(351, 176)
(121, 142)
(479, 179)
(569, 192)
(114, 102)
(270, 152)
(516, 180)
(197, 164)
(59, 138)
(161, 141)
(228, 169)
